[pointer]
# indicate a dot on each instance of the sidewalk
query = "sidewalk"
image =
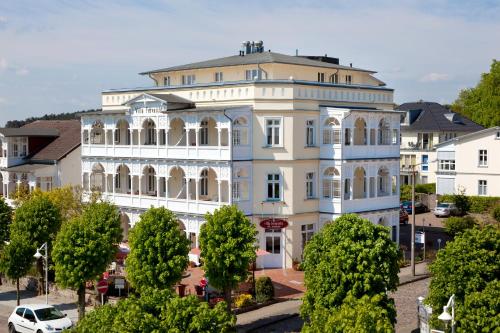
(253, 320)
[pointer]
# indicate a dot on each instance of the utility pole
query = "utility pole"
(412, 255)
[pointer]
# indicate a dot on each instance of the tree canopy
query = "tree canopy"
(350, 256)
(5, 221)
(465, 267)
(158, 251)
(227, 242)
(481, 103)
(85, 246)
(157, 311)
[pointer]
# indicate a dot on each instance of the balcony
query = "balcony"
(372, 151)
(367, 204)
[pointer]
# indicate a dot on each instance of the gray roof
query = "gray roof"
(433, 117)
(27, 167)
(171, 98)
(255, 58)
(29, 131)
(469, 135)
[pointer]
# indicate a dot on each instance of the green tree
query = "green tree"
(350, 256)
(465, 266)
(158, 251)
(481, 311)
(227, 242)
(366, 314)
(481, 104)
(16, 259)
(455, 225)
(5, 221)
(99, 320)
(38, 221)
(84, 248)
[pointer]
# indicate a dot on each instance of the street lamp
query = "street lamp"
(446, 317)
(38, 255)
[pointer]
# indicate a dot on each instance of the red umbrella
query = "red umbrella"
(195, 251)
(261, 252)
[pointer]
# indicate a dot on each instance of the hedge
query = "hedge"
(478, 204)
(429, 188)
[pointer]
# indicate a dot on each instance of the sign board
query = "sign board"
(420, 237)
(102, 286)
(274, 224)
(119, 283)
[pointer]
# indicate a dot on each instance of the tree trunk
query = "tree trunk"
(17, 292)
(227, 297)
(81, 301)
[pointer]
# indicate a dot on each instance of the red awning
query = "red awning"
(261, 252)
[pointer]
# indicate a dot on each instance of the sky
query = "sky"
(58, 55)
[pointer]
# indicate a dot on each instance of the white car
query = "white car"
(38, 318)
(446, 209)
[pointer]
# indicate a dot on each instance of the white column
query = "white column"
(197, 180)
(218, 137)
(187, 189)
(166, 187)
(105, 190)
(132, 185)
(113, 136)
(131, 136)
(140, 185)
(197, 134)
(218, 191)
(158, 186)
(114, 182)
(351, 188)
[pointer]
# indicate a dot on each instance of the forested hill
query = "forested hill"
(60, 116)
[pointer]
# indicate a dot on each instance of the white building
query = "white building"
(290, 138)
(470, 163)
(43, 154)
(423, 126)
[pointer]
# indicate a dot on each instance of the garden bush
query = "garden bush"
(426, 188)
(243, 300)
(264, 289)
(496, 213)
(455, 225)
(474, 204)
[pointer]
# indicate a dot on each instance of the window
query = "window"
(273, 241)
(310, 185)
(331, 183)
(373, 135)
(151, 180)
(307, 233)
(273, 129)
(236, 191)
(273, 187)
(394, 136)
(218, 77)
(394, 182)
(447, 165)
(334, 78)
(25, 150)
(483, 157)
(321, 77)
(166, 81)
(14, 149)
(188, 79)
(117, 136)
(204, 133)
(347, 137)
(348, 79)
(482, 187)
(372, 187)
(240, 132)
(20, 312)
(383, 182)
(29, 315)
(384, 133)
(310, 129)
(253, 74)
(425, 179)
(118, 181)
(347, 189)
(204, 182)
(331, 132)
(425, 163)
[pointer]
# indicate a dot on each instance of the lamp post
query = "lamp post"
(446, 317)
(38, 255)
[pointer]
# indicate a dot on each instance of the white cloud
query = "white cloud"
(3, 64)
(22, 71)
(434, 77)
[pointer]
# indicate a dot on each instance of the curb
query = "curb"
(416, 278)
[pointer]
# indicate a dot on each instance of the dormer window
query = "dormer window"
(218, 77)
(253, 74)
(321, 77)
(334, 78)
(166, 81)
(348, 79)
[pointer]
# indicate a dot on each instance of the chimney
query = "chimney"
(350, 64)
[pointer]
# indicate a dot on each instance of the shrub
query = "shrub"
(243, 300)
(496, 213)
(425, 188)
(472, 203)
(264, 289)
(456, 225)
(405, 192)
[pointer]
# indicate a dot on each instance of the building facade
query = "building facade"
(43, 154)
(300, 140)
(423, 126)
(468, 164)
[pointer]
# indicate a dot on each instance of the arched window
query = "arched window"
(331, 131)
(384, 132)
(122, 133)
(150, 180)
(331, 183)
(384, 182)
(359, 183)
(150, 132)
(204, 182)
(360, 132)
(97, 133)
(240, 132)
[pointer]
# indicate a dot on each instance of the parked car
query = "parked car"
(419, 207)
(445, 209)
(403, 216)
(38, 318)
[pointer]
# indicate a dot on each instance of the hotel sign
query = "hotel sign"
(274, 223)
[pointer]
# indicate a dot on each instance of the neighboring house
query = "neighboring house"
(43, 154)
(423, 126)
(293, 141)
(470, 163)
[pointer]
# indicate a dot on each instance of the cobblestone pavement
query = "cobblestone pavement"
(406, 304)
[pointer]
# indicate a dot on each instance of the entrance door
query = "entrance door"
(273, 245)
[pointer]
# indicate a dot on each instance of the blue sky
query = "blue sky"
(57, 56)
